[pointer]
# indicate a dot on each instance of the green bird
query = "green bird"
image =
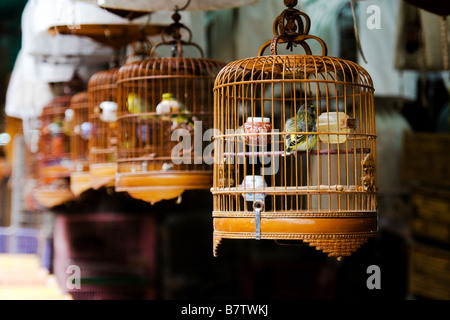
(299, 142)
(168, 104)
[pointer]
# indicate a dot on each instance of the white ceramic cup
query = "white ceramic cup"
(251, 182)
(109, 113)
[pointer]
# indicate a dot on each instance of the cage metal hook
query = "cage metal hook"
(258, 206)
(174, 31)
(182, 8)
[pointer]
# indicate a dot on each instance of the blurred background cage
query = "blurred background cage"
(102, 89)
(77, 118)
(295, 146)
(115, 252)
(165, 105)
(54, 162)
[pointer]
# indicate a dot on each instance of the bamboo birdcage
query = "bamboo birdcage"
(55, 164)
(80, 128)
(160, 152)
(54, 140)
(281, 179)
(102, 89)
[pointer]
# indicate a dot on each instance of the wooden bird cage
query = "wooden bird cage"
(102, 89)
(55, 164)
(160, 149)
(77, 117)
(54, 140)
(295, 146)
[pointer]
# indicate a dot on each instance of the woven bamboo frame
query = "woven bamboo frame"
(79, 151)
(54, 147)
(80, 133)
(54, 162)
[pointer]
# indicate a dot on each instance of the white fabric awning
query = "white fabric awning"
(44, 58)
(169, 5)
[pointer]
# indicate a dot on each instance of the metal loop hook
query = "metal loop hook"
(258, 206)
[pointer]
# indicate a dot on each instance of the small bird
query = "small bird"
(85, 130)
(171, 109)
(167, 166)
(135, 104)
(183, 120)
(299, 142)
(68, 115)
(168, 104)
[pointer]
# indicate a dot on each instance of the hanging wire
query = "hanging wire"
(184, 7)
(355, 27)
(444, 42)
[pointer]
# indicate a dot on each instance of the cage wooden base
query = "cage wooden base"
(336, 236)
(157, 186)
(102, 175)
(50, 197)
(79, 182)
(56, 171)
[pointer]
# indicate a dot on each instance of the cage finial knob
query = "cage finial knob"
(176, 17)
(290, 3)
